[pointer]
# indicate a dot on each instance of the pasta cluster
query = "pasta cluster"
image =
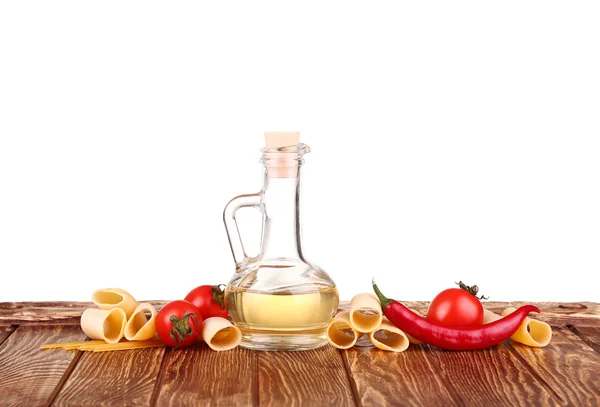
(118, 315)
(365, 317)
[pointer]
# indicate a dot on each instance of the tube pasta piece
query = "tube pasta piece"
(365, 313)
(219, 334)
(489, 316)
(388, 337)
(108, 325)
(531, 332)
(340, 333)
(413, 340)
(109, 298)
(139, 327)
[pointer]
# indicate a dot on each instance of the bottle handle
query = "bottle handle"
(233, 233)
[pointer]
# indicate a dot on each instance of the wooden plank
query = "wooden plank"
(492, 377)
(308, 378)
(568, 365)
(68, 313)
(57, 313)
(557, 313)
(590, 335)
(391, 379)
(50, 313)
(29, 375)
(123, 378)
(200, 377)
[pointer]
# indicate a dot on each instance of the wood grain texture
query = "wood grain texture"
(29, 375)
(567, 372)
(200, 376)
(398, 379)
(49, 313)
(590, 335)
(492, 377)
(125, 378)
(308, 378)
(5, 332)
(568, 365)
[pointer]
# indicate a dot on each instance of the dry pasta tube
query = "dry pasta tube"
(365, 313)
(109, 298)
(340, 333)
(531, 332)
(389, 337)
(104, 324)
(413, 340)
(219, 334)
(139, 327)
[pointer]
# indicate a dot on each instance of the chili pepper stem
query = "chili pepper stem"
(382, 298)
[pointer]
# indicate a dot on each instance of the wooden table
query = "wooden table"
(567, 372)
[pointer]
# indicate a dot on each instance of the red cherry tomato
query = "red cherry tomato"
(455, 307)
(209, 299)
(178, 324)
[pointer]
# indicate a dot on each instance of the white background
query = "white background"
(451, 140)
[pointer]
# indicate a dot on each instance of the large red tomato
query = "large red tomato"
(456, 307)
(209, 300)
(178, 324)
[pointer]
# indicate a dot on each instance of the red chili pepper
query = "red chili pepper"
(466, 338)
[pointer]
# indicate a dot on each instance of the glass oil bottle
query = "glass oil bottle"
(278, 299)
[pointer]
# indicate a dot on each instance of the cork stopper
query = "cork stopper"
(277, 139)
(282, 153)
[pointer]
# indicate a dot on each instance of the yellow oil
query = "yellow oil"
(270, 320)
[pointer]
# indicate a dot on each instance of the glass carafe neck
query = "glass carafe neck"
(282, 230)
